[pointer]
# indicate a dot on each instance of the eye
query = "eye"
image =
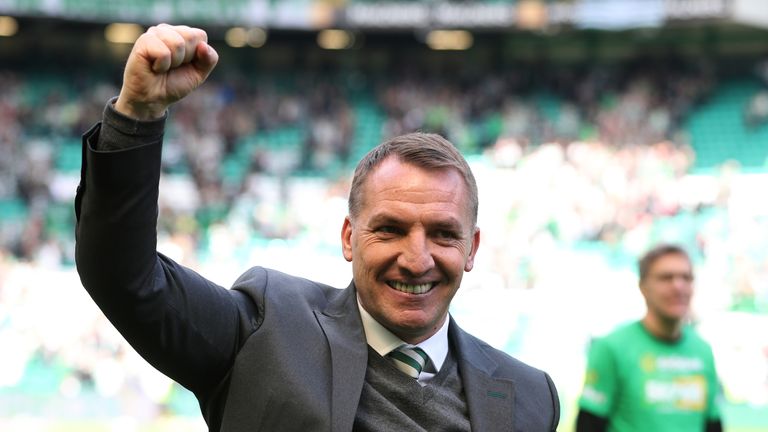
(669, 277)
(388, 230)
(446, 234)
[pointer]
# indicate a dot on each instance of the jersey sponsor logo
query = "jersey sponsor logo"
(679, 364)
(673, 363)
(687, 393)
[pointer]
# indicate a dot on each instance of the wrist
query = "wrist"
(140, 111)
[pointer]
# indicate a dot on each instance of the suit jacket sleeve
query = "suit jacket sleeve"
(184, 325)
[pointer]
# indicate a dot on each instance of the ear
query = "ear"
(473, 250)
(346, 239)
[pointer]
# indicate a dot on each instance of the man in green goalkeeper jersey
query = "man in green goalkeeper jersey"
(655, 374)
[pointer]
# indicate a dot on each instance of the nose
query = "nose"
(415, 257)
(681, 286)
(679, 282)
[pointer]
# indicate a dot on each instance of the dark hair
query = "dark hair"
(425, 150)
(658, 251)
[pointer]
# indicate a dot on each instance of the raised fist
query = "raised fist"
(166, 63)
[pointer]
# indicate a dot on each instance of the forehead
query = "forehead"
(394, 182)
(670, 262)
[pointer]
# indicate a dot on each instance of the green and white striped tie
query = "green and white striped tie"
(409, 359)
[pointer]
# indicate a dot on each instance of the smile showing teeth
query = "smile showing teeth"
(411, 289)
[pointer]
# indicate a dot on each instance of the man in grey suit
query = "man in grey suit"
(280, 353)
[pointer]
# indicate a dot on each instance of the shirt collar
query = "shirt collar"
(383, 341)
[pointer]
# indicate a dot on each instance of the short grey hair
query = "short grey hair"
(425, 150)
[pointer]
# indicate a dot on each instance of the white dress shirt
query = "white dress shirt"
(384, 341)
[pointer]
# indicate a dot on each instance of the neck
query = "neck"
(668, 330)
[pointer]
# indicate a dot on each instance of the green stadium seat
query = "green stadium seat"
(12, 210)
(718, 131)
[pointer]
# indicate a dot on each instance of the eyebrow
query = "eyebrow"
(383, 218)
(672, 274)
(449, 223)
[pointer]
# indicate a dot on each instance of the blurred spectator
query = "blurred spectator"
(756, 111)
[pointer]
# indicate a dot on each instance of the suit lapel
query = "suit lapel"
(490, 400)
(343, 329)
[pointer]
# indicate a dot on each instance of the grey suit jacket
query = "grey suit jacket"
(502, 393)
(275, 352)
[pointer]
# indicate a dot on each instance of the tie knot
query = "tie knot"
(409, 359)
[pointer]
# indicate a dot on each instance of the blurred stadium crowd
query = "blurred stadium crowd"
(579, 172)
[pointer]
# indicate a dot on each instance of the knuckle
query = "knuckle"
(174, 42)
(145, 39)
(177, 44)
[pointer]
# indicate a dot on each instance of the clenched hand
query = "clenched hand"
(166, 64)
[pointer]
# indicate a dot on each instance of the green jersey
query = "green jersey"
(640, 383)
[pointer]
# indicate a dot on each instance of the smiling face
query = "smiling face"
(668, 288)
(409, 245)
